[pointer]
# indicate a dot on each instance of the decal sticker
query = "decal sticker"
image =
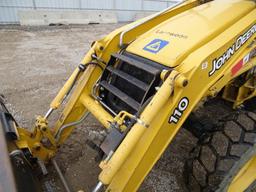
(156, 45)
(205, 65)
(237, 67)
(240, 64)
(246, 59)
(178, 112)
(176, 35)
(241, 40)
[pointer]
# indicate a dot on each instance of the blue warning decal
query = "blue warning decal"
(155, 46)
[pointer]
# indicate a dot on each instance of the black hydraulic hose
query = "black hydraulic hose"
(82, 68)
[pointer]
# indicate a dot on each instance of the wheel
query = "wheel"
(225, 159)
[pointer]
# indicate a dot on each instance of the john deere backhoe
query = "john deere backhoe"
(190, 66)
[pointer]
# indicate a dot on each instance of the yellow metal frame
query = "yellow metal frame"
(245, 177)
(238, 94)
(154, 130)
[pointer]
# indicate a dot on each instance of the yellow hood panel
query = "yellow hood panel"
(172, 41)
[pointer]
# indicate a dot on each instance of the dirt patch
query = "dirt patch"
(34, 64)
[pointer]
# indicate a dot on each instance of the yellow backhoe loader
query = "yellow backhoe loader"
(190, 66)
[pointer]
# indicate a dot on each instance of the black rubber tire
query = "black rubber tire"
(218, 157)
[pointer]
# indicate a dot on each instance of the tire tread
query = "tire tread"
(205, 170)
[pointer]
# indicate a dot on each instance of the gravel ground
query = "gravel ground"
(34, 64)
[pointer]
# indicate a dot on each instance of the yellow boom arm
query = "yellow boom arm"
(198, 76)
